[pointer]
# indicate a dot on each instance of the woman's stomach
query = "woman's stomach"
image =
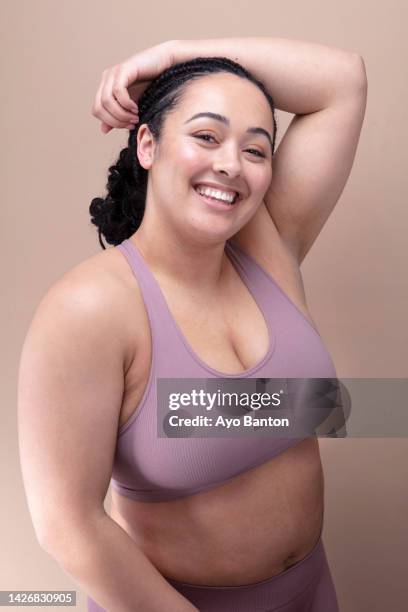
(247, 530)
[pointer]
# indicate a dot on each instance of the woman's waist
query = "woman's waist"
(241, 556)
(252, 527)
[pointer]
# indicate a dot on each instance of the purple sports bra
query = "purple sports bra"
(150, 468)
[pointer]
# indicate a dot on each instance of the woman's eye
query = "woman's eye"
(256, 152)
(205, 136)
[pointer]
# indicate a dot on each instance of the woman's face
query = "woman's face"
(229, 155)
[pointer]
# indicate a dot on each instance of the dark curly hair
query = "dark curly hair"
(119, 214)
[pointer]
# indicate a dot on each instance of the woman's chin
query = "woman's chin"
(209, 231)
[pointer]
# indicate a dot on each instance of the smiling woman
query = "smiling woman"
(196, 287)
(215, 147)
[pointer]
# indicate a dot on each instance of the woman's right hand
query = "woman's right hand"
(121, 86)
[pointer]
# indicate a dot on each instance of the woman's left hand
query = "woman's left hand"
(123, 84)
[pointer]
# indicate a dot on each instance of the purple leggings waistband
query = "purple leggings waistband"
(306, 586)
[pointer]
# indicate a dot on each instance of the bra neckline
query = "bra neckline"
(249, 287)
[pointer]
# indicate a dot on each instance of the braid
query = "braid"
(118, 215)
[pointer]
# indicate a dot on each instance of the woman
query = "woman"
(199, 285)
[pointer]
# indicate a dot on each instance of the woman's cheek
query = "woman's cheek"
(190, 157)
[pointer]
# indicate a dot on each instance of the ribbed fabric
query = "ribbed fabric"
(150, 468)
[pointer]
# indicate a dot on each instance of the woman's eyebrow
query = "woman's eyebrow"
(226, 121)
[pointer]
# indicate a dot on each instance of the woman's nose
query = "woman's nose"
(228, 163)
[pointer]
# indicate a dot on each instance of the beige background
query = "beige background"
(55, 159)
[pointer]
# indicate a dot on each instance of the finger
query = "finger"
(98, 111)
(106, 128)
(105, 116)
(120, 87)
(111, 104)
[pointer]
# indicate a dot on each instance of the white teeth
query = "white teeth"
(217, 194)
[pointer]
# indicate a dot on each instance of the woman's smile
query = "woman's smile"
(216, 204)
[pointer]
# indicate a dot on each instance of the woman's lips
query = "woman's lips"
(216, 204)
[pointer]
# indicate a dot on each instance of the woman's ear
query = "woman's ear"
(145, 146)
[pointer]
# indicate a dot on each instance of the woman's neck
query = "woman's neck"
(182, 261)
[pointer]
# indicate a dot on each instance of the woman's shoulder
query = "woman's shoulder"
(103, 286)
(108, 269)
(106, 276)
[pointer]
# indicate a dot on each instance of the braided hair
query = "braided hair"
(118, 215)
